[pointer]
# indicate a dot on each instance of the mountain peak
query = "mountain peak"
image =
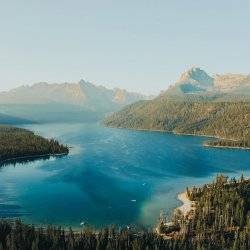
(196, 81)
(85, 83)
(192, 81)
(83, 93)
(197, 75)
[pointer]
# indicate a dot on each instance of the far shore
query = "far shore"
(226, 147)
(186, 134)
(171, 132)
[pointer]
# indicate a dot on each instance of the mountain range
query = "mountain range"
(66, 101)
(82, 93)
(84, 101)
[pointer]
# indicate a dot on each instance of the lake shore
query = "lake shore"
(187, 205)
(185, 209)
(185, 134)
(225, 147)
(9, 160)
(165, 131)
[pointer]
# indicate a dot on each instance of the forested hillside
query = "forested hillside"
(228, 120)
(17, 142)
(221, 221)
(197, 104)
(220, 218)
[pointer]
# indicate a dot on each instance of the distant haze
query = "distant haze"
(140, 46)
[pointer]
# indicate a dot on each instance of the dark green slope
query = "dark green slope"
(220, 119)
(21, 143)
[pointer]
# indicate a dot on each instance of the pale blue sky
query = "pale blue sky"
(139, 45)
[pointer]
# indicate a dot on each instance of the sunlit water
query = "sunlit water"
(112, 176)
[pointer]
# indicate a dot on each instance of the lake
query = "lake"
(111, 176)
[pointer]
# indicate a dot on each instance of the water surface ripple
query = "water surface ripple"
(112, 176)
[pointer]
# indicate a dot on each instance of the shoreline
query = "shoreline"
(31, 156)
(187, 205)
(185, 134)
(171, 132)
(185, 208)
(226, 147)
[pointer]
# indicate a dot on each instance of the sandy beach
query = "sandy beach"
(187, 205)
(185, 208)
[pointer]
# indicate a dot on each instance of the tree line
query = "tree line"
(17, 142)
(229, 143)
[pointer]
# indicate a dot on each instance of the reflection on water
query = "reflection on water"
(24, 160)
(111, 176)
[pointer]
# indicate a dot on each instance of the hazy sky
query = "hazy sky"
(139, 45)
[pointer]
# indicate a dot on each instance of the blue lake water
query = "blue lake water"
(111, 176)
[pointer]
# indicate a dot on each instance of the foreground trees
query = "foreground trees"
(221, 221)
(221, 218)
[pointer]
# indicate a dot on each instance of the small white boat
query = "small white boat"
(133, 200)
(83, 223)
